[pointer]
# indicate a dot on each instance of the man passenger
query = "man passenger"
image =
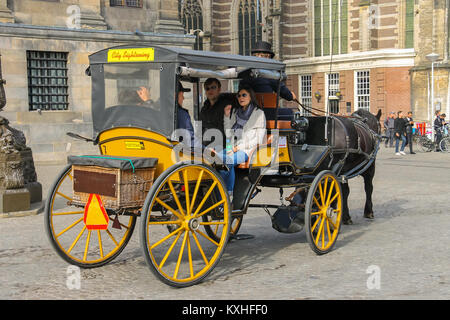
(212, 113)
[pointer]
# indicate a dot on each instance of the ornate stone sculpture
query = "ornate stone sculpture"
(18, 180)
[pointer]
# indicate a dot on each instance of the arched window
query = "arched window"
(249, 25)
(192, 19)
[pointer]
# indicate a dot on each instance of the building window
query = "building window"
(191, 17)
(126, 3)
(409, 24)
(333, 88)
(306, 93)
(330, 27)
(362, 90)
(47, 80)
(249, 25)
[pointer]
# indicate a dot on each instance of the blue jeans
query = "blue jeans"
(397, 141)
(231, 161)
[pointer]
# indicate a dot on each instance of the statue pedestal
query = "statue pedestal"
(20, 192)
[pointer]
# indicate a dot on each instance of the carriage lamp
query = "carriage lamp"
(301, 125)
(318, 96)
(338, 94)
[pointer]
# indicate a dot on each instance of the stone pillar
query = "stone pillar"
(167, 18)
(90, 15)
(5, 13)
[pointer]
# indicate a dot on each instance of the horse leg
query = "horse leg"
(346, 219)
(368, 187)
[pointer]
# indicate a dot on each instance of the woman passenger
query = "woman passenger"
(245, 128)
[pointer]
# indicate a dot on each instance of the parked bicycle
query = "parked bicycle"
(444, 144)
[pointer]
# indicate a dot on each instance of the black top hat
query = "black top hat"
(263, 47)
(180, 88)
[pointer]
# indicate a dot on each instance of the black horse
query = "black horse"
(359, 132)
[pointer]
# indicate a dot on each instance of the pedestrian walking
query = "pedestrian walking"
(389, 126)
(437, 125)
(400, 133)
(409, 126)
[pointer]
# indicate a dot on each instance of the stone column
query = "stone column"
(5, 13)
(167, 18)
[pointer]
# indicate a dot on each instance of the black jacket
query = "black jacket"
(212, 116)
(409, 125)
(400, 126)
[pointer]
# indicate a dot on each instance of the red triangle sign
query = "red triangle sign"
(95, 216)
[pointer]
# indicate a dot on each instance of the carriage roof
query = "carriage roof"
(193, 58)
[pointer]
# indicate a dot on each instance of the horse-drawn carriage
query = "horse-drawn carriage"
(187, 217)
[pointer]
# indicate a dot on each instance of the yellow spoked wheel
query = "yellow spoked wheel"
(69, 235)
(173, 238)
(323, 212)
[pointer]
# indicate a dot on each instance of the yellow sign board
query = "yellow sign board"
(131, 55)
(136, 145)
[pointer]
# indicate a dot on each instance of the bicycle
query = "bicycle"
(424, 143)
(444, 144)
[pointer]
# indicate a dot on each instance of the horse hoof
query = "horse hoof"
(369, 215)
(347, 221)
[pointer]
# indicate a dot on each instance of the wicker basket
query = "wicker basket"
(119, 189)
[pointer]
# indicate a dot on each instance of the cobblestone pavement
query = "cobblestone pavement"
(403, 254)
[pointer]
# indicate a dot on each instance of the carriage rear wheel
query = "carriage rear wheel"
(323, 212)
(69, 235)
(175, 246)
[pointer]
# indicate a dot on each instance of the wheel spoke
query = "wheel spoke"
(76, 239)
(100, 246)
(200, 248)
(87, 245)
(315, 224)
(211, 208)
(197, 186)
(204, 199)
(191, 267)
(329, 193)
(165, 205)
(64, 196)
(180, 256)
(67, 213)
(69, 227)
(169, 251)
(165, 238)
(186, 193)
(319, 232)
(317, 203)
(175, 196)
(112, 237)
(206, 237)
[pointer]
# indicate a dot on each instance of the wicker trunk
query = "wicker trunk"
(119, 189)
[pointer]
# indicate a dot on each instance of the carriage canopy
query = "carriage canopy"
(118, 72)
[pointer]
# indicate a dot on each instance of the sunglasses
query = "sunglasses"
(242, 95)
(210, 88)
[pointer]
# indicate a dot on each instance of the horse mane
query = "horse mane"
(367, 117)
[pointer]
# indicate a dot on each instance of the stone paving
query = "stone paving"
(402, 254)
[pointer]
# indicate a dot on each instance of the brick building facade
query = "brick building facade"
(346, 54)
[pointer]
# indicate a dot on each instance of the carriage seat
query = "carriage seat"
(267, 141)
(268, 101)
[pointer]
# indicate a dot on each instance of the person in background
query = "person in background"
(409, 126)
(438, 129)
(400, 133)
(389, 126)
(263, 49)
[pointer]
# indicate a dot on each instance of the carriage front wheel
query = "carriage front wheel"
(323, 212)
(173, 238)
